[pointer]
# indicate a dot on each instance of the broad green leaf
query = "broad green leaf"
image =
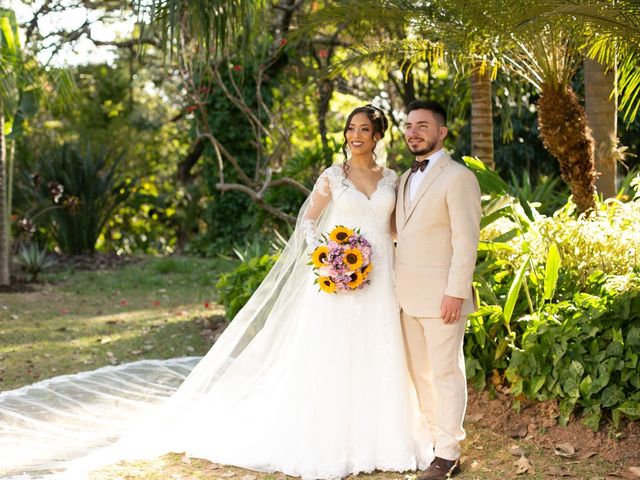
(526, 207)
(485, 246)
(592, 420)
(495, 215)
(551, 270)
(490, 181)
(514, 291)
(612, 395)
(630, 408)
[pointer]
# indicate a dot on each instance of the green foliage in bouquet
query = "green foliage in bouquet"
(560, 304)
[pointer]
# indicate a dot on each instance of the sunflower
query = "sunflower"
(326, 284)
(341, 234)
(366, 270)
(356, 280)
(352, 257)
(319, 256)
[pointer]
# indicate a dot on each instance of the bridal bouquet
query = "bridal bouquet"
(343, 261)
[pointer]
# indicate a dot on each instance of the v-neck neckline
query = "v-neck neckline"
(368, 197)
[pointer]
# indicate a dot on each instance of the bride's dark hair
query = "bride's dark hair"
(378, 120)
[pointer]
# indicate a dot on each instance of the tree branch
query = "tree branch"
(224, 187)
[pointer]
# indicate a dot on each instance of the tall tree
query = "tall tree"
(9, 62)
(482, 114)
(602, 112)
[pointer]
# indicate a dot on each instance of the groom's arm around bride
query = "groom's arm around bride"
(438, 222)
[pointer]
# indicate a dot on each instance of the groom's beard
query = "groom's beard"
(426, 150)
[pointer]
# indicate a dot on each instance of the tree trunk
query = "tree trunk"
(566, 135)
(482, 116)
(4, 216)
(602, 114)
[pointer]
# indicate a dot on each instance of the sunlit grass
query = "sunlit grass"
(82, 320)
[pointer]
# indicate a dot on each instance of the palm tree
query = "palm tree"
(611, 35)
(547, 56)
(9, 59)
(482, 115)
(602, 112)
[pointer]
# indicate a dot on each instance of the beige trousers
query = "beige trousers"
(436, 363)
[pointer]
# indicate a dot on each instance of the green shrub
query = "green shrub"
(86, 189)
(34, 260)
(236, 287)
(560, 304)
(256, 260)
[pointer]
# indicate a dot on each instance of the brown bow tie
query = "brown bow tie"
(416, 165)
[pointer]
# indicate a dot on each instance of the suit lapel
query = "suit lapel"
(434, 173)
(400, 208)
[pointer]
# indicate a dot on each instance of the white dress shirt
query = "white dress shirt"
(416, 177)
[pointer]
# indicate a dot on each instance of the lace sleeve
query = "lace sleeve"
(320, 198)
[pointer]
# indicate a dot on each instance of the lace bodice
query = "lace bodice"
(350, 206)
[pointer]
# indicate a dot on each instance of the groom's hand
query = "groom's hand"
(450, 309)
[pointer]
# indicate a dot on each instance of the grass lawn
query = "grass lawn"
(75, 321)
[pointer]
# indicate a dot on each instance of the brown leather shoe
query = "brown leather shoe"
(440, 469)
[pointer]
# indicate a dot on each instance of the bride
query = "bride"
(304, 382)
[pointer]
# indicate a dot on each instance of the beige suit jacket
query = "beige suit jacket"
(437, 239)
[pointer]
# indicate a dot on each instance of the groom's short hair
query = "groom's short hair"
(431, 105)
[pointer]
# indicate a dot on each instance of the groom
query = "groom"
(438, 222)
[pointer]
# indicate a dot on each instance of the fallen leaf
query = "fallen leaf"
(519, 431)
(585, 455)
(522, 465)
(623, 474)
(516, 450)
(476, 417)
(136, 352)
(474, 465)
(564, 449)
(559, 472)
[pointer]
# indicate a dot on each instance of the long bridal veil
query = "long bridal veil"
(68, 425)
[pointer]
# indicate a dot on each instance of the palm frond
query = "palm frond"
(214, 24)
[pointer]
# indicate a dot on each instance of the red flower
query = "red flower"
(206, 305)
(323, 53)
(124, 302)
(156, 303)
(237, 68)
(283, 42)
(191, 108)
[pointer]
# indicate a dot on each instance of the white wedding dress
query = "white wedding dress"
(302, 382)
